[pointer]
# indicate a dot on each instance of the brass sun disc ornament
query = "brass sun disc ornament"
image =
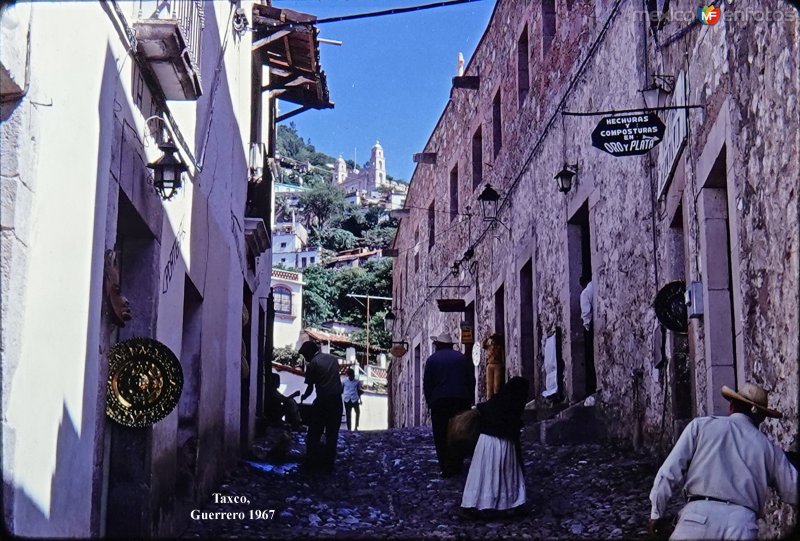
(145, 380)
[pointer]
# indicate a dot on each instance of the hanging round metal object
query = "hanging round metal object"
(670, 306)
(145, 380)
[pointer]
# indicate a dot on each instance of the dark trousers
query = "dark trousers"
(442, 410)
(349, 407)
(327, 418)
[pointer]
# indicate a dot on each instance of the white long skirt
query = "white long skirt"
(495, 479)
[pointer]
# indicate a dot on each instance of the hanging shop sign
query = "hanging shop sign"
(145, 380)
(467, 336)
(670, 307)
(399, 349)
(628, 135)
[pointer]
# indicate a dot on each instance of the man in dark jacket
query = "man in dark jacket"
(322, 372)
(449, 387)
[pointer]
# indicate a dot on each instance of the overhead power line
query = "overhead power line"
(393, 11)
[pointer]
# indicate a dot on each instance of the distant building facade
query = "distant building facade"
(290, 247)
(287, 298)
(370, 185)
(367, 180)
(714, 205)
(352, 258)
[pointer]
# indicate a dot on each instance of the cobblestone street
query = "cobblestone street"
(387, 485)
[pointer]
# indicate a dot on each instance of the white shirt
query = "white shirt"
(350, 392)
(586, 305)
(726, 458)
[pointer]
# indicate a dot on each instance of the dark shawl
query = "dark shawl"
(501, 415)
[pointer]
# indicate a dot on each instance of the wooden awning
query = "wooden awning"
(286, 41)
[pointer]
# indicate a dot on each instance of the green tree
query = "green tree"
(378, 237)
(287, 355)
(322, 204)
(333, 239)
(355, 221)
(373, 278)
(377, 332)
(319, 295)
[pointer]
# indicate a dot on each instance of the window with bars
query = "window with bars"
(549, 24)
(283, 300)
(477, 158)
(432, 225)
(497, 126)
(416, 250)
(454, 193)
(523, 76)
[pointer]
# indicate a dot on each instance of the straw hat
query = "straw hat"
(443, 338)
(752, 394)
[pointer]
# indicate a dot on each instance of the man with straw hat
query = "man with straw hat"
(449, 387)
(724, 465)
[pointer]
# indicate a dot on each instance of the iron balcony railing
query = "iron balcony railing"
(191, 20)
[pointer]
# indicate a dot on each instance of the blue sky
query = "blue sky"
(391, 78)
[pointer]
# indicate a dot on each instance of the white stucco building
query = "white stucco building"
(291, 248)
(89, 91)
(287, 294)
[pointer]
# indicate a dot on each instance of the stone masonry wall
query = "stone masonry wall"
(743, 74)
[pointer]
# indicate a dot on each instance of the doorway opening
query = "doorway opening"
(191, 361)
(718, 292)
(526, 330)
(680, 367)
(128, 450)
(579, 245)
(244, 400)
(417, 379)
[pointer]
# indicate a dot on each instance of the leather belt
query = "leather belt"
(694, 498)
(710, 499)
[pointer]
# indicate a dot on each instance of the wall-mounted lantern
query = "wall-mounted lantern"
(167, 172)
(565, 176)
(489, 198)
(656, 94)
(389, 321)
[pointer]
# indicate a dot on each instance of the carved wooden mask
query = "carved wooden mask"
(120, 306)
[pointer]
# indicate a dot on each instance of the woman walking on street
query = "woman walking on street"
(495, 480)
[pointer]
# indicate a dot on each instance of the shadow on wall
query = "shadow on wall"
(218, 248)
(77, 454)
(217, 243)
(25, 517)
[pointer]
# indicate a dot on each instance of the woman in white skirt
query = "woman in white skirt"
(495, 480)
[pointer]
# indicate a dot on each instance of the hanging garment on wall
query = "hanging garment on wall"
(550, 367)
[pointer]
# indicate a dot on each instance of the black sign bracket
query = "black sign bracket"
(626, 111)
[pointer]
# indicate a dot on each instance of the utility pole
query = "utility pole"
(368, 297)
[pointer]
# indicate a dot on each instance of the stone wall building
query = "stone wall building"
(89, 91)
(716, 203)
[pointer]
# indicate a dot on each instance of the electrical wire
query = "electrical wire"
(523, 169)
(437, 235)
(435, 210)
(372, 14)
(540, 141)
